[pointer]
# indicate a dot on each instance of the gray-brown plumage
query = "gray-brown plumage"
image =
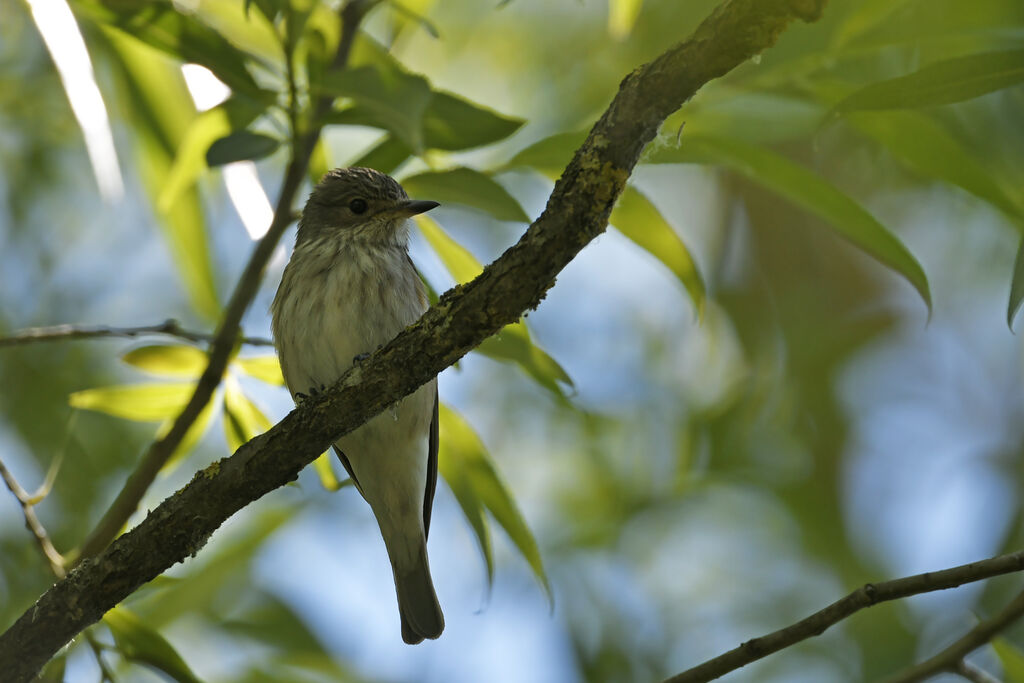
(349, 288)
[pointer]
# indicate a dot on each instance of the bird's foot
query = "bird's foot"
(360, 358)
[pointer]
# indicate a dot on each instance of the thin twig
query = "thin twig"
(169, 327)
(973, 673)
(952, 658)
(32, 523)
(160, 451)
(865, 596)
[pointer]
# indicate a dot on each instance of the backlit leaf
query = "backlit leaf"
(242, 145)
(325, 471)
(469, 188)
(807, 190)
(638, 219)
(196, 431)
(1011, 659)
(622, 15)
(140, 643)
(264, 368)
(139, 402)
(550, 155)
(243, 420)
(172, 360)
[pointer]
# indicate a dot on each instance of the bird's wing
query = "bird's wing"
(428, 496)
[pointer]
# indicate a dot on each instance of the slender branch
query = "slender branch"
(160, 451)
(32, 523)
(866, 596)
(973, 673)
(576, 213)
(952, 658)
(169, 327)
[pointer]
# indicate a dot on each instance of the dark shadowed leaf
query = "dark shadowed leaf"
(807, 190)
(171, 360)
(385, 156)
(240, 146)
(1016, 286)
(638, 219)
(470, 472)
(452, 123)
(140, 643)
(469, 188)
(943, 82)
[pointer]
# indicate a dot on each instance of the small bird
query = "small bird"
(349, 288)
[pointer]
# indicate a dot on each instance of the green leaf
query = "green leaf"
(1016, 287)
(461, 264)
(637, 218)
(395, 100)
(550, 155)
(1010, 658)
(159, 106)
(241, 146)
(234, 113)
(929, 149)
(139, 402)
(862, 17)
(452, 123)
(179, 34)
(943, 82)
(470, 472)
(469, 188)
(172, 360)
(622, 15)
(807, 190)
(751, 116)
(264, 368)
(243, 420)
(196, 431)
(385, 156)
(137, 642)
(325, 472)
(319, 161)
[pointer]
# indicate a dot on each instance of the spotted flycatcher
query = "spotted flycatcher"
(350, 287)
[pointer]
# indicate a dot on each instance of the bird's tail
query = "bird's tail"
(417, 601)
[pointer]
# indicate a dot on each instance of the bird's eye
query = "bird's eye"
(358, 206)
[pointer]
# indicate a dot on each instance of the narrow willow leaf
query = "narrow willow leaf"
(138, 642)
(551, 154)
(192, 437)
(513, 342)
(1016, 287)
(171, 360)
(243, 145)
(1011, 659)
(161, 110)
(807, 190)
(637, 218)
(469, 188)
(139, 402)
(243, 420)
(943, 82)
(264, 368)
(190, 157)
(452, 123)
(622, 15)
(325, 472)
(385, 156)
(319, 161)
(464, 459)
(862, 17)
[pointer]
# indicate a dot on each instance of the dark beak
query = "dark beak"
(411, 207)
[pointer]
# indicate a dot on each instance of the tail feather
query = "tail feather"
(417, 601)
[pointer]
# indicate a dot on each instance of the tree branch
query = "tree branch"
(161, 450)
(169, 327)
(866, 596)
(32, 523)
(952, 658)
(576, 213)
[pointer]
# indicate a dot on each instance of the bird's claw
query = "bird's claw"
(360, 358)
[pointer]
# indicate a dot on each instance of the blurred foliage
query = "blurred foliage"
(676, 483)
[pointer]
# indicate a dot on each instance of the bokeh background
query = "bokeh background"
(705, 479)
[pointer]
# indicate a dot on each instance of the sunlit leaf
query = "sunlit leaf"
(807, 190)
(473, 478)
(190, 158)
(461, 264)
(943, 82)
(551, 154)
(253, 34)
(196, 431)
(242, 145)
(160, 108)
(638, 219)
(469, 188)
(622, 15)
(139, 402)
(243, 420)
(325, 472)
(264, 368)
(140, 643)
(1011, 659)
(172, 360)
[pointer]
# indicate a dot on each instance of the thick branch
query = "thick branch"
(866, 596)
(952, 658)
(161, 450)
(169, 327)
(576, 213)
